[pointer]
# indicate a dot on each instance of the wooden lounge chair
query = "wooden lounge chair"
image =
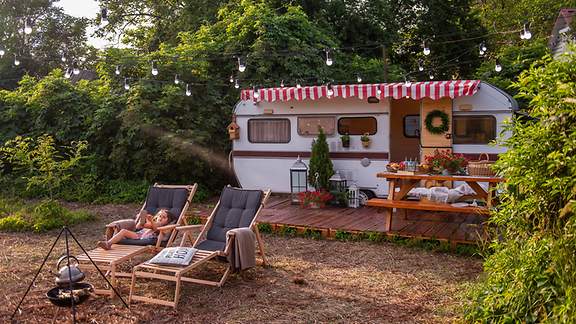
(237, 208)
(175, 198)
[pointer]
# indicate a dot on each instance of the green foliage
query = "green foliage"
(265, 228)
(531, 277)
(321, 168)
(287, 230)
(196, 220)
(343, 235)
(41, 217)
(122, 191)
(313, 234)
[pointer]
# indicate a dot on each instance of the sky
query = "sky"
(84, 8)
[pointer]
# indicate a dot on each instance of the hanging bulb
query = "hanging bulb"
(176, 80)
(282, 84)
(154, 68)
(126, 84)
(67, 74)
(117, 71)
(188, 91)
(2, 52)
(298, 85)
(359, 78)
(231, 78)
(329, 91)
(482, 49)
(526, 32)
(329, 61)
(255, 92)
(75, 68)
(407, 82)
(16, 60)
(63, 58)
(378, 92)
(420, 66)
(103, 16)
(497, 66)
(431, 76)
(27, 27)
(426, 49)
(241, 65)
(236, 84)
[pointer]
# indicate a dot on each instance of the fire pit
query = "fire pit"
(61, 296)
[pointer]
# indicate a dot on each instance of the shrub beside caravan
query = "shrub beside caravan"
(273, 126)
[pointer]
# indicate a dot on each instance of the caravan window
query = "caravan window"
(412, 126)
(309, 125)
(357, 125)
(474, 129)
(269, 130)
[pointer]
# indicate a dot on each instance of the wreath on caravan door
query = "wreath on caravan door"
(442, 128)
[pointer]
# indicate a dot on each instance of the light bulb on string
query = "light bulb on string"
(407, 82)
(378, 91)
(282, 84)
(188, 91)
(75, 68)
(482, 49)
(27, 27)
(154, 68)
(67, 74)
(329, 90)
(241, 64)
(16, 60)
(329, 60)
(176, 80)
(526, 34)
(104, 16)
(497, 66)
(420, 66)
(117, 71)
(426, 49)
(63, 58)
(126, 84)
(255, 92)
(431, 76)
(358, 78)
(298, 85)
(236, 84)
(231, 78)
(2, 52)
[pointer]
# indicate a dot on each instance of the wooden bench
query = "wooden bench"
(430, 206)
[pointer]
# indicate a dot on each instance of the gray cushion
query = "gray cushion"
(166, 198)
(237, 208)
(210, 245)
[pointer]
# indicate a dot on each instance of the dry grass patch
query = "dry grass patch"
(307, 281)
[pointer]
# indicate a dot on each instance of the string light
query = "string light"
(75, 68)
(431, 76)
(298, 85)
(104, 16)
(231, 78)
(420, 66)
(282, 84)
(241, 64)
(126, 84)
(63, 58)
(358, 78)
(176, 80)
(154, 68)
(188, 91)
(329, 90)
(329, 61)
(497, 66)
(525, 34)
(16, 60)
(426, 49)
(67, 74)
(236, 84)
(27, 27)
(117, 71)
(407, 82)
(378, 92)
(256, 92)
(2, 52)
(482, 49)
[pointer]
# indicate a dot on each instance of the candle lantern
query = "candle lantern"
(337, 183)
(298, 179)
(353, 196)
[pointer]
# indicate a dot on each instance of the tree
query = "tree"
(321, 168)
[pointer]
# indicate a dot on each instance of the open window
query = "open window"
(276, 130)
(474, 129)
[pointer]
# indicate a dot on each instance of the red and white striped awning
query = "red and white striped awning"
(415, 90)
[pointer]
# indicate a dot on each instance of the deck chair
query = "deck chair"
(237, 208)
(175, 198)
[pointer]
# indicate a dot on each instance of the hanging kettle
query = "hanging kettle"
(65, 275)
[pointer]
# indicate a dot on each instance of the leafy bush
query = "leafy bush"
(321, 168)
(43, 216)
(265, 228)
(122, 191)
(531, 277)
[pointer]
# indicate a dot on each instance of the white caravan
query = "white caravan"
(273, 126)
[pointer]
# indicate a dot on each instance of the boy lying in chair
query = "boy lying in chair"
(147, 230)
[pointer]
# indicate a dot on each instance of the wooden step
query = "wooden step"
(431, 206)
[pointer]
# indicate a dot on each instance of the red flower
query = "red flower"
(314, 197)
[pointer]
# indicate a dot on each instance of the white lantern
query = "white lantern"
(353, 196)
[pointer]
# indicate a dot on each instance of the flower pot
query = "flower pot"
(315, 205)
(366, 144)
(345, 143)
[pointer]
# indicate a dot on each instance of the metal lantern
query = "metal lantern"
(337, 183)
(353, 196)
(298, 179)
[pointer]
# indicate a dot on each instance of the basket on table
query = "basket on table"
(481, 167)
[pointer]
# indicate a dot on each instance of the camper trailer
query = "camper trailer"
(273, 127)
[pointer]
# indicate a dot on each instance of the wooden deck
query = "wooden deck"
(444, 226)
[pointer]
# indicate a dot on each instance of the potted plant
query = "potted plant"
(314, 199)
(345, 140)
(365, 138)
(446, 162)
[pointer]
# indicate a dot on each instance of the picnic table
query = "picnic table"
(405, 182)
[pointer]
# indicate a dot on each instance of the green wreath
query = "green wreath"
(442, 128)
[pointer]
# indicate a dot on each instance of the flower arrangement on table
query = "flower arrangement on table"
(442, 161)
(314, 199)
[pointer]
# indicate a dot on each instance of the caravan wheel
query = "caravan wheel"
(365, 195)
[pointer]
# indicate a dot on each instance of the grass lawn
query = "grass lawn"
(307, 281)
